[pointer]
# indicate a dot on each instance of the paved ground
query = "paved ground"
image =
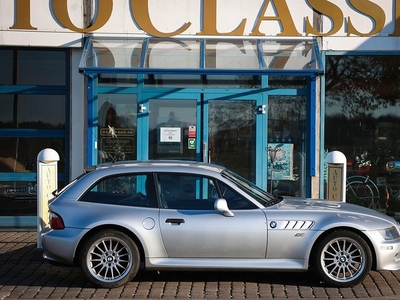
(24, 275)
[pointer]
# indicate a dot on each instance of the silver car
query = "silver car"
(179, 215)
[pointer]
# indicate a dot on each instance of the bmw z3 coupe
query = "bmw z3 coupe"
(180, 215)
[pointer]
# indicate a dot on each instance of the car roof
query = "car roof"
(158, 164)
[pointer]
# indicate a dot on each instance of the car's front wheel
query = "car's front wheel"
(110, 259)
(343, 259)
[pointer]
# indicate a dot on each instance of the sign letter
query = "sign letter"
(210, 20)
(140, 13)
(331, 11)
(60, 9)
(371, 10)
(283, 16)
(23, 15)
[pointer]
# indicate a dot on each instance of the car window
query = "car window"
(251, 189)
(193, 192)
(124, 189)
(234, 199)
(185, 191)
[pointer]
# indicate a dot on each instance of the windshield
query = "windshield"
(250, 188)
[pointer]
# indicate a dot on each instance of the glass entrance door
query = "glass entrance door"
(228, 131)
(287, 125)
(117, 128)
(242, 133)
(234, 134)
(173, 129)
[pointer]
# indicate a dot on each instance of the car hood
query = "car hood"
(334, 207)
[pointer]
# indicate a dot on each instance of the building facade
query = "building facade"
(265, 87)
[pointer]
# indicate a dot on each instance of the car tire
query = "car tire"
(110, 259)
(343, 259)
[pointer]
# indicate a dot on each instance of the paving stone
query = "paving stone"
(25, 275)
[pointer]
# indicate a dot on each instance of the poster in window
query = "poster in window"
(282, 166)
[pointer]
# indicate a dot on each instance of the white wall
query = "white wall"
(168, 16)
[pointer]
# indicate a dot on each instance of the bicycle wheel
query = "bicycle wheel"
(360, 193)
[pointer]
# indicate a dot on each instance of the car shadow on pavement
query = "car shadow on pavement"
(23, 264)
(280, 278)
(24, 273)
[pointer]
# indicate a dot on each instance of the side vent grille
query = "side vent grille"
(298, 225)
(292, 225)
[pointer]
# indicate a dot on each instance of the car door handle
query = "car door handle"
(175, 221)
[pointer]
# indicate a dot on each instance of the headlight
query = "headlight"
(390, 233)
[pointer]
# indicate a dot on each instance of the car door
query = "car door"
(192, 228)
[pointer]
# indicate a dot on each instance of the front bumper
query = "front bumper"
(387, 252)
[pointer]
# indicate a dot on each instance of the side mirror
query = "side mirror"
(222, 206)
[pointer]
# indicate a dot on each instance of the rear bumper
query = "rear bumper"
(59, 246)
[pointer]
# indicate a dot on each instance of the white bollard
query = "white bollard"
(337, 173)
(47, 179)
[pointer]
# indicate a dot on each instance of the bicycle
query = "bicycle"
(369, 183)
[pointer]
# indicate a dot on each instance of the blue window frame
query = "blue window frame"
(178, 68)
(35, 101)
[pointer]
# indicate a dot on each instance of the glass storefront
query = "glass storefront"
(227, 120)
(227, 101)
(34, 96)
(362, 120)
(197, 99)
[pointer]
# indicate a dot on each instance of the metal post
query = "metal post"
(47, 178)
(337, 172)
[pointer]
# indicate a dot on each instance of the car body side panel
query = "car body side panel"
(209, 234)
(84, 216)
(330, 213)
(230, 264)
(287, 236)
(66, 239)
(290, 243)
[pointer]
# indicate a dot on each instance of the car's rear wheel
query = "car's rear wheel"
(343, 259)
(110, 258)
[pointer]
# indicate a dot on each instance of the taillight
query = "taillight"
(55, 221)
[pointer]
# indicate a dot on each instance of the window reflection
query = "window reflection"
(129, 80)
(203, 81)
(172, 53)
(287, 82)
(363, 114)
(117, 127)
(34, 98)
(33, 67)
(6, 63)
(32, 111)
(231, 54)
(20, 154)
(286, 145)
(19, 198)
(232, 135)
(172, 132)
